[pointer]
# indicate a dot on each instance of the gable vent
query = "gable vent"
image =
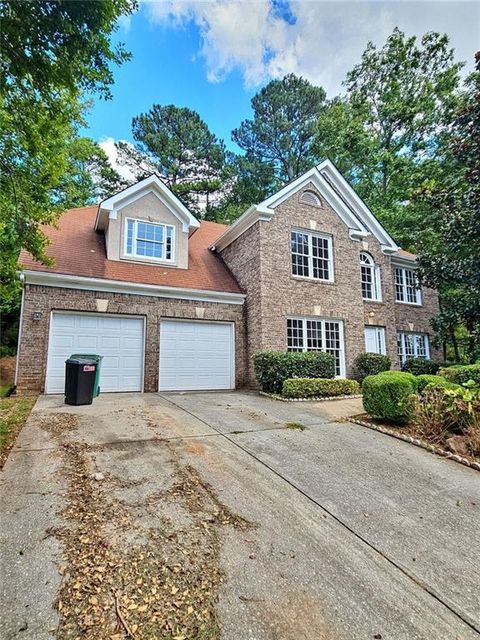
(309, 197)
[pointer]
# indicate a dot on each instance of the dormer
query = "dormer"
(146, 223)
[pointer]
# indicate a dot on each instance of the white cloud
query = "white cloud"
(108, 145)
(320, 40)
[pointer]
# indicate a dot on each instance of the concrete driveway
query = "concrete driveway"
(331, 532)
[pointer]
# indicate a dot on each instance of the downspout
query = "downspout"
(20, 327)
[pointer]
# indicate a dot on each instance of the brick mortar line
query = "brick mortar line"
(416, 442)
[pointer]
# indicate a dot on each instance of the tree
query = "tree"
(60, 44)
(283, 126)
(448, 235)
(385, 132)
(52, 51)
(178, 145)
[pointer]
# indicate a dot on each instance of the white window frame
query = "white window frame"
(376, 279)
(380, 337)
(322, 321)
(310, 257)
(401, 345)
(134, 254)
(403, 284)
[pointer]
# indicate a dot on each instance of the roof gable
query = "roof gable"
(333, 187)
(108, 209)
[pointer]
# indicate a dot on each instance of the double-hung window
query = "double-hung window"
(412, 345)
(407, 288)
(149, 240)
(370, 278)
(308, 334)
(312, 255)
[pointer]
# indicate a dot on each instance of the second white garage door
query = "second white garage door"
(119, 339)
(196, 356)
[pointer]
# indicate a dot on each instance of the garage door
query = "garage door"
(118, 339)
(196, 355)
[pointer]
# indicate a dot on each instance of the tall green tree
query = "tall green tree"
(52, 52)
(384, 133)
(178, 145)
(282, 130)
(60, 44)
(448, 233)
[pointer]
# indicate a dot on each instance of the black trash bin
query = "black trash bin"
(79, 380)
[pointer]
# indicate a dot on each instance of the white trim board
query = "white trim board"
(64, 281)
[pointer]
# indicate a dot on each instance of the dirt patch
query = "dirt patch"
(463, 445)
(7, 370)
(123, 577)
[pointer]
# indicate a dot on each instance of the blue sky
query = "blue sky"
(213, 56)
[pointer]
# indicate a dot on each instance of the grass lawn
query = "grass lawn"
(13, 415)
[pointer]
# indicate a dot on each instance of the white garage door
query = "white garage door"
(196, 355)
(118, 339)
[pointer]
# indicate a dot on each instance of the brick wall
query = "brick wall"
(260, 260)
(32, 358)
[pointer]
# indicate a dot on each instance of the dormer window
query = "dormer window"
(310, 197)
(371, 288)
(149, 240)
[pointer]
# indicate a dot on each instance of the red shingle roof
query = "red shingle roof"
(79, 250)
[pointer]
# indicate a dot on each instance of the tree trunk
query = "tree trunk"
(455, 344)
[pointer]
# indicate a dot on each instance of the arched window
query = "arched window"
(310, 197)
(371, 289)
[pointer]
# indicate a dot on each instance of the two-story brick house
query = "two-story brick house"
(173, 303)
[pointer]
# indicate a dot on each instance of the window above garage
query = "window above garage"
(149, 240)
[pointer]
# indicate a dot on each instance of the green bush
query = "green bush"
(402, 374)
(421, 366)
(388, 396)
(424, 380)
(369, 364)
(319, 388)
(462, 373)
(272, 368)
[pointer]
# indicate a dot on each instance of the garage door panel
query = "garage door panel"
(118, 339)
(196, 355)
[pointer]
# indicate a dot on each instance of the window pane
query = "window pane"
(130, 225)
(314, 335)
(399, 294)
(321, 258)
(411, 286)
(332, 343)
(421, 347)
(294, 335)
(367, 281)
(299, 244)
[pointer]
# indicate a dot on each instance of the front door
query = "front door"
(375, 340)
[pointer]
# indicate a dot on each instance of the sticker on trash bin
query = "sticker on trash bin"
(89, 367)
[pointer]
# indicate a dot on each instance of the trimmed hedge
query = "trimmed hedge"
(420, 366)
(369, 364)
(402, 374)
(423, 381)
(272, 368)
(319, 388)
(462, 373)
(387, 396)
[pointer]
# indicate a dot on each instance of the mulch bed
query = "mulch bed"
(409, 434)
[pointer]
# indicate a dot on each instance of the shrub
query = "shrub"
(399, 374)
(369, 364)
(319, 387)
(420, 366)
(388, 396)
(462, 373)
(423, 380)
(272, 368)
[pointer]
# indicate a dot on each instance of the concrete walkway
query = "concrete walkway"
(358, 535)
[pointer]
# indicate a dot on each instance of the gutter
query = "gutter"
(65, 281)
